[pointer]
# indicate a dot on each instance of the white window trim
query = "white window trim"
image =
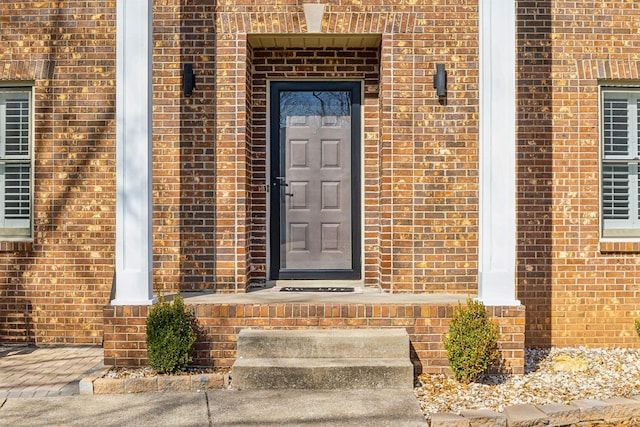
(22, 233)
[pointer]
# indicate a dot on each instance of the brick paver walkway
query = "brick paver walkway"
(43, 372)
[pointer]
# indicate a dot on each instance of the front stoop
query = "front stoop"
(323, 359)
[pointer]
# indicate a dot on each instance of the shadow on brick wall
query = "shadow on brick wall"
(197, 145)
(534, 139)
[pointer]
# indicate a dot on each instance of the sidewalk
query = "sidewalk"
(39, 387)
(220, 408)
(46, 371)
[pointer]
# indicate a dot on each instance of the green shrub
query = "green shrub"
(472, 341)
(170, 336)
(637, 325)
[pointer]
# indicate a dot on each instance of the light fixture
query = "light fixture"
(440, 81)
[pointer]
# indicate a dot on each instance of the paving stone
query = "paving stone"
(174, 383)
(624, 408)
(108, 386)
(525, 416)
(27, 393)
(206, 382)
(448, 420)
(484, 418)
(560, 415)
(141, 385)
(593, 409)
(85, 386)
(54, 371)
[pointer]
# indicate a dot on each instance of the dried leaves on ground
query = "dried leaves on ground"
(557, 375)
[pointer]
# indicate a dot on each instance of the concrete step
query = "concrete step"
(323, 359)
(324, 343)
(322, 373)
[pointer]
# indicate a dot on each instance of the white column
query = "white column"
(134, 279)
(497, 251)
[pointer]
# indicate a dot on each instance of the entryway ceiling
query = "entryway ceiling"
(314, 40)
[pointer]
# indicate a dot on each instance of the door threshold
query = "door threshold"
(315, 283)
(319, 289)
(318, 286)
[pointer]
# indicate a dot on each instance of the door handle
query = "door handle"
(280, 181)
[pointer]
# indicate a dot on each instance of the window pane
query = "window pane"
(17, 127)
(17, 204)
(615, 124)
(615, 191)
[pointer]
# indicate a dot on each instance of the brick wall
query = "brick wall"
(420, 157)
(52, 289)
(578, 289)
(219, 324)
(420, 173)
(184, 155)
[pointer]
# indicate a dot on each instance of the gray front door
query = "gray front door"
(314, 188)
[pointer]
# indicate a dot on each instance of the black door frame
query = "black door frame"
(276, 168)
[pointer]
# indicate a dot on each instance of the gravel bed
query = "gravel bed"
(557, 375)
(148, 372)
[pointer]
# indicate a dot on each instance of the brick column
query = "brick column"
(497, 248)
(134, 282)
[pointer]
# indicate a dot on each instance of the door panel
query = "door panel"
(318, 194)
(315, 164)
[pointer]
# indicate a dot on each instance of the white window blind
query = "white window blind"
(15, 163)
(620, 157)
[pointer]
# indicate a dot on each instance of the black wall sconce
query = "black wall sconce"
(440, 83)
(188, 79)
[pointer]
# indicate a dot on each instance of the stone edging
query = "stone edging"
(97, 383)
(614, 411)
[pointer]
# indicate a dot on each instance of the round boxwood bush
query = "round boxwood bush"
(472, 341)
(170, 336)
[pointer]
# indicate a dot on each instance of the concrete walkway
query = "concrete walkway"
(219, 408)
(39, 387)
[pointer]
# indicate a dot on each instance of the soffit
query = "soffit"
(314, 40)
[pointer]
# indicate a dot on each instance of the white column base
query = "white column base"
(133, 301)
(496, 288)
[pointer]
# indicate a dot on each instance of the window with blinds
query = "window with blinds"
(15, 162)
(620, 157)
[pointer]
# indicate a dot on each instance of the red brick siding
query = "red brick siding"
(577, 289)
(184, 155)
(420, 175)
(420, 157)
(52, 290)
